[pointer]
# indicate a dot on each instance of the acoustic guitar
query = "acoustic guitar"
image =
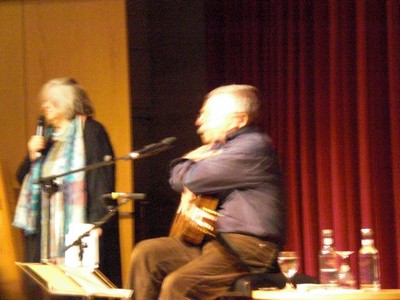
(195, 220)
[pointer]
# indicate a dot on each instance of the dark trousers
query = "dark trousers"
(167, 268)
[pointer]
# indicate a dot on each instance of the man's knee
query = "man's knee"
(146, 248)
(144, 258)
(175, 284)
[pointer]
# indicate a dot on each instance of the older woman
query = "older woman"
(72, 140)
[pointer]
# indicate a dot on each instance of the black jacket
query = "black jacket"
(98, 182)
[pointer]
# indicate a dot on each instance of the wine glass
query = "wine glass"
(289, 264)
(346, 278)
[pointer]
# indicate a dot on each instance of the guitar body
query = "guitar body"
(186, 228)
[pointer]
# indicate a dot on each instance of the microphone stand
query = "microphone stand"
(49, 180)
(51, 187)
(145, 152)
(111, 212)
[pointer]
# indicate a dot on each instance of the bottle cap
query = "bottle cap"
(327, 233)
(327, 237)
(367, 233)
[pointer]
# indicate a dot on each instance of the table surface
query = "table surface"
(340, 294)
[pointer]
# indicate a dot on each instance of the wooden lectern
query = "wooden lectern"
(58, 280)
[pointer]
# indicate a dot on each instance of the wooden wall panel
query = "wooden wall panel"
(86, 40)
(13, 133)
(11, 239)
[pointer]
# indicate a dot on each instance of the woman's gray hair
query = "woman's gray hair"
(74, 98)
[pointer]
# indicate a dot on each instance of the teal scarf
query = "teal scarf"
(68, 204)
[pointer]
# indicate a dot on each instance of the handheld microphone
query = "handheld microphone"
(40, 131)
(153, 148)
(40, 126)
(116, 195)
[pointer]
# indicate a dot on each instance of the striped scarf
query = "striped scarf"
(68, 204)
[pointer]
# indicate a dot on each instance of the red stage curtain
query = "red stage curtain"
(330, 75)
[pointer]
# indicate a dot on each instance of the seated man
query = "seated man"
(238, 166)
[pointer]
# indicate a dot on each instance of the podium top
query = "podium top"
(84, 282)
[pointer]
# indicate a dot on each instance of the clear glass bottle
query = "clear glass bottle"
(368, 262)
(328, 261)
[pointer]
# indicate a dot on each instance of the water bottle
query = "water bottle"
(368, 262)
(328, 261)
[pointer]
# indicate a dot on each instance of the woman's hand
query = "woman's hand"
(35, 144)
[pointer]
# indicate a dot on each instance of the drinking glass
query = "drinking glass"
(289, 264)
(346, 278)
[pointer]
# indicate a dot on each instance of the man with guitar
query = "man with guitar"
(232, 216)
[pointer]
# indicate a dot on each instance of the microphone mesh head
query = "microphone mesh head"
(107, 158)
(169, 140)
(41, 121)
